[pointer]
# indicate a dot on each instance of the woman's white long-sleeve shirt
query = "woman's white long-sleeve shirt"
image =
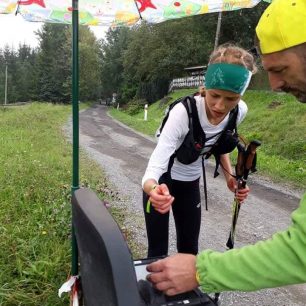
(173, 135)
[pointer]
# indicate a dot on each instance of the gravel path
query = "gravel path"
(123, 155)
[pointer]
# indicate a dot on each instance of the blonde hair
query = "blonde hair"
(232, 54)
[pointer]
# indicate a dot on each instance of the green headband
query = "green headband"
(229, 77)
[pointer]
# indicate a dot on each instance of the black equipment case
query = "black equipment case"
(109, 275)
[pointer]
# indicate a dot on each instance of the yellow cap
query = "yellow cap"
(282, 25)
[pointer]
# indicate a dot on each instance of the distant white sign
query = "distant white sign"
(187, 82)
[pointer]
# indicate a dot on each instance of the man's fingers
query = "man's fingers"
(174, 274)
(167, 288)
(157, 278)
(172, 291)
(156, 266)
(164, 286)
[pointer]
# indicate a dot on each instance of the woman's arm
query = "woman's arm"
(170, 139)
(226, 166)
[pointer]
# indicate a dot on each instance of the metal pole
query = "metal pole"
(5, 91)
(218, 30)
(75, 122)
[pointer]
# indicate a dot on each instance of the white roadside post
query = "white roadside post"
(114, 100)
(5, 87)
(146, 112)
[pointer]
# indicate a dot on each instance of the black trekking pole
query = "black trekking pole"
(236, 206)
(245, 164)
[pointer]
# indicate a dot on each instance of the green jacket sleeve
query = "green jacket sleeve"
(276, 262)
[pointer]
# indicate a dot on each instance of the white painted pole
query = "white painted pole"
(146, 112)
(5, 91)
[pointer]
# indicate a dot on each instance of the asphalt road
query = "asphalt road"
(123, 155)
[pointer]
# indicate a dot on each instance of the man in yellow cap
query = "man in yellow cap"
(281, 33)
(281, 260)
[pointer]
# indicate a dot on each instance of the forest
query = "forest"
(135, 63)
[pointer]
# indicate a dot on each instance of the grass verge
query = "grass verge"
(35, 214)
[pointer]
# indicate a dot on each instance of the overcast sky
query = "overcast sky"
(15, 30)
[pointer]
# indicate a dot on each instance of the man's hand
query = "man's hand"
(175, 274)
(161, 199)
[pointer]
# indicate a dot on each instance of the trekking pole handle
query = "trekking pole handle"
(250, 154)
(241, 183)
(239, 168)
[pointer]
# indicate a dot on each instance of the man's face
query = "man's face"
(287, 72)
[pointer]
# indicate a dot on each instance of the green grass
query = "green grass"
(35, 214)
(277, 120)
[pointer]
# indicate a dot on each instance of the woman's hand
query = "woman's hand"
(240, 194)
(161, 199)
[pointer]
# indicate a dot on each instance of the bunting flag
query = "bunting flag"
(116, 13)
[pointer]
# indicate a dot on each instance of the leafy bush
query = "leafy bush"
(153, 90)
(135, 106)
